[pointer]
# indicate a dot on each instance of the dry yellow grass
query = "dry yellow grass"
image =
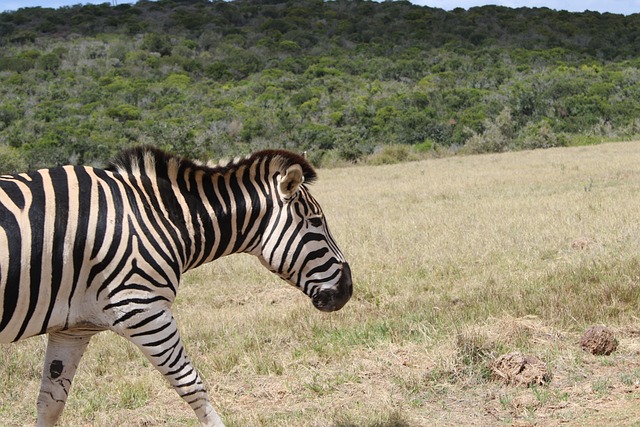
(455, 261)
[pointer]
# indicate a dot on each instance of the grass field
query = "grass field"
(455, 261)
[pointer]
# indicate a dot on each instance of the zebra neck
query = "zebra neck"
(228, 212)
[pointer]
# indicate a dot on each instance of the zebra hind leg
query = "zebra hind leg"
(64, 351)
(158, 338)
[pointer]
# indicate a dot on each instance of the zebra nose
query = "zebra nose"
(334, 298)
(345, 283)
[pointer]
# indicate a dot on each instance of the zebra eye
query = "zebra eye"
(315, 222)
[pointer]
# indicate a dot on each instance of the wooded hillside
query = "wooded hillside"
(339, 79)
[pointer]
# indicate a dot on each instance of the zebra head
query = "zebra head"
(297, 244)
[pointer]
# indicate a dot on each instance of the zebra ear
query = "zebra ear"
(290, 182)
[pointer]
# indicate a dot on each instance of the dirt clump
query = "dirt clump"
(520, 369)
(599, 340)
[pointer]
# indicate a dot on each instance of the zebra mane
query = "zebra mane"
(151, 161)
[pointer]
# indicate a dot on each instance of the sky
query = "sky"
(625, 7)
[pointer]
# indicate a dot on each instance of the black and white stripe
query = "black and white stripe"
(88, 249)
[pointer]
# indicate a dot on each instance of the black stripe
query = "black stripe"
(13, 191)
(163, 352)
(146, 219)
(261, 181)
(147, 320)
(161, 341)
(155, 266)
(256, 239)
(144, 301)
(289, 243)
(101, 224)
(98, 268)
(118, 218)
(303, 195)
(36, 223)
(280, 231)
(189, 384)
(172, 347)
(224, 220)
(150, 332)
(128, 315)
(135, 270)
(183, 376)
(82, 227)
(189, 194)
(14, 253)
(240, 210)
(200, 390)
(205, 217)
(310, 283)
(323, 268)
(165, 230)
(307, 238)
(179, 369)
(256, 205)
(149, 226)
(60, 186)
(177, 358)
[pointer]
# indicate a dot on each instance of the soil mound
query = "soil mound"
(599, 340)
(520, 369)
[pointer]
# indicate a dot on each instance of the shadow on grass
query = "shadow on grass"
(394, 420)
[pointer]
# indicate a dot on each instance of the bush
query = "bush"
(391, 154)
(176, 81)
(424, 147)
(159, 43)
(16, 64)
(49, 62)
(8, 114)
(124, 112)
(496, 137)
(11, 161)
(541, 135)
(218, 70)
(314, 135)
(350, 153)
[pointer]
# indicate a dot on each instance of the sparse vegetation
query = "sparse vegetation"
(456, 261)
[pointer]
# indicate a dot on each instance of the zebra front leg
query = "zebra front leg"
(158, 338)
(64, 351)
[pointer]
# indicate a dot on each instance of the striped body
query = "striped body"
(88, 250)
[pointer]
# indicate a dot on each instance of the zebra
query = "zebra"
(87, 250)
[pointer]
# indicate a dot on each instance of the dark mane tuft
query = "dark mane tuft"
(132, 161)
(288, 158)
(148, 160)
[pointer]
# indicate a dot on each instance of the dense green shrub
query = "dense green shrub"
(124, 112)
(497, 136)
(11, 161)
(541, 135)
(159, 43)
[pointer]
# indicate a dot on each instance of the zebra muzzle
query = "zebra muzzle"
(334, 298)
